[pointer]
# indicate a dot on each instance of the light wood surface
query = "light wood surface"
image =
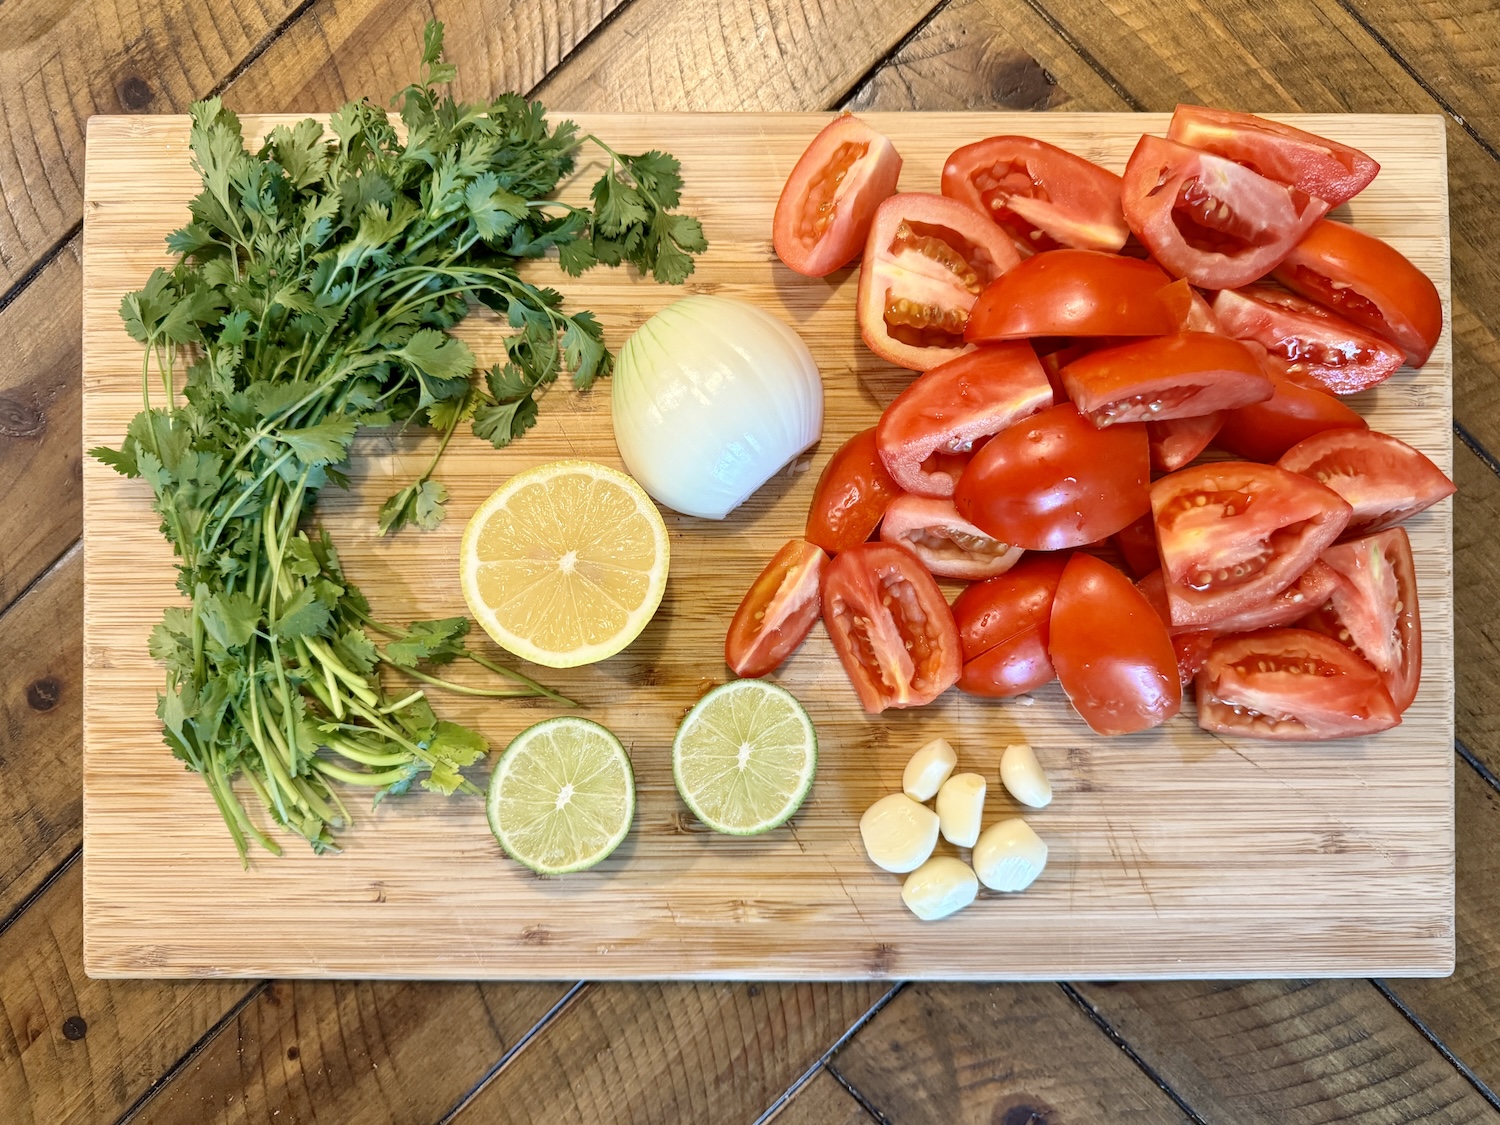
(1173, 853)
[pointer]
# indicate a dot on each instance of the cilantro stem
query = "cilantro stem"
(355, 777)
(461, 689)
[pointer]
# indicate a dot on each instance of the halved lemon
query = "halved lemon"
(565, 564)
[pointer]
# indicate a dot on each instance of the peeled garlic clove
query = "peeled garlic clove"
(899, 833)
(960, 805)
(939, 887)
(1009, 856)
(1024, 777)
(928, 769)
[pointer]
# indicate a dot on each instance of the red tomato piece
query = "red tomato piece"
(851, 495)
(778, 610)
(1191, 312)
(948, 409)
(1073, 293)
(948, 545)
(1191, 646)
(1176, 442)
(1209, 220)
(1137, 545)
(1002, 629)
(1291, 684)
(1369, 282)
(1314, 342)
(1373, 608)
(927, 260)
(1266, 430)
(890, 626)
(1383, 479)
(1184, 375)
(1111, 651)
(1053, 481)
(1042, 196)
(1232, 535)
(1322, 168)
(824, 214)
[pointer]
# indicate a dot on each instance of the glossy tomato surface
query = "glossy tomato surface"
(1111, 650)
(851, 495)
(1264, 431)
(1323, 168)
(1210, 220)
(1190, 311)
(1369, 282)
(890, 626)
(926, 261)
(1054, 481)
(1073, 293)
(1190, 645)
(824, 214)
(778, 611)
(1314, 341)
(1291, 684)
(953, 406)
(1233, 534)
(948, 545)
(1043, 196)
(1184, 375)
(1382, 478)
(1176, 442)
(1003, 628)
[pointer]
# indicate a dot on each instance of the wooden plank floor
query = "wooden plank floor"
(75, 1050)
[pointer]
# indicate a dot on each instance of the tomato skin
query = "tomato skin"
(1247, 688)
(1171, 192)
(1041, 195)
(890, 626)
(1382, 478)
(851, 495)
(1190, 645)
(1072, 293)
(1184, 375)
(1112, 653)
(778, 611)
(1369, 282)
(1326, 169)
(948, 409)
(1003, 629)
(1233, 534)
(1053, 481)
(1314, 342)
(926, 261)
(1137, 545)
(1190, 311)
(1266, 430)
(870, 168)
(1176, 442)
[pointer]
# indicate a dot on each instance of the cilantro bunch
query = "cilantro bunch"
(313, 294)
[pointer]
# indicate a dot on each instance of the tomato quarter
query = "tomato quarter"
(1184, 375)
(1176, 442)
(948, 545)
(1266, 430)
(1383, 479)
(851, 495)
(1003, 628)
(778, 610)
(1073, 293)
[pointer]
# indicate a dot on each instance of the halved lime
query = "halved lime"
(562, 796)
(744, 757)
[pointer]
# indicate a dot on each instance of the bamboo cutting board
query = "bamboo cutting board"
(1173, 853)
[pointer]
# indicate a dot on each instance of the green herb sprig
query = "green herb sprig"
(314, 293)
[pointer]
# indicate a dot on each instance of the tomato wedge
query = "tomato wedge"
(1043, 196)
(824, 214)
(1111, 651)
(926, 261)
(1190, 311)
(1209, 220)
(1191, 646)
(1232, 535)
(1266, 430)
(1184, 375)
(1369, 282)
(1373, 609)
(1382, 478)
(890, 626)
(948, 409)
(1326, 169)
(851, 495)
(1053, 481)
(1003, 629)
(1176, 442)
(948, 545)
(1313, 341)
(1137, 545)
(1291, 684)
(1073, 293)
(778, 610)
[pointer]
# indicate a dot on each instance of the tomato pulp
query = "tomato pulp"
(1382, 478)
(948, 545)
(778, 611)
(1184, 375)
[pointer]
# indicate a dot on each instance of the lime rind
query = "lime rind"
(744, 757)
(522, 804)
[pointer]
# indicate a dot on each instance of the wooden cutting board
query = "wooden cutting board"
(1173, 853)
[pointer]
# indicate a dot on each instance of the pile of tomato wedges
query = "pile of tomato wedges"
(1083, 338)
